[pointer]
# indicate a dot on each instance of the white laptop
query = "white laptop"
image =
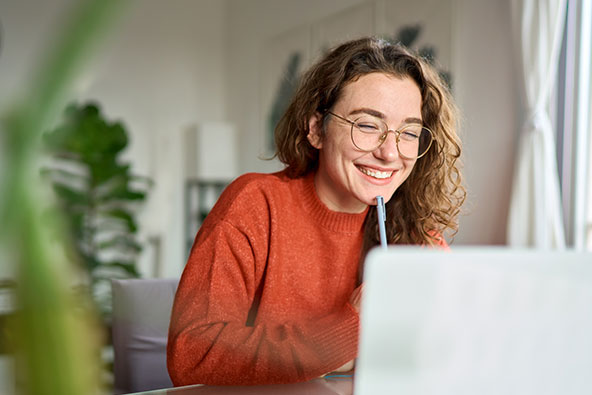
(475, 321)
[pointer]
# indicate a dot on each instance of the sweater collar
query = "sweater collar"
(332, 220)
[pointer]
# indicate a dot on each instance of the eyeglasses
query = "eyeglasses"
(368, 133)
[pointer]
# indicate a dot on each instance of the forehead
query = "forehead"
(392, 96)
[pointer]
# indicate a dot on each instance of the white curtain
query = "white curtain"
(535, 218)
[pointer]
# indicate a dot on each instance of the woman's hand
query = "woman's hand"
(347, 367)
(356, 298)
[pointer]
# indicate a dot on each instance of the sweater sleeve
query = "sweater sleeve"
(210, 341)
(442, 244)
(439, 241)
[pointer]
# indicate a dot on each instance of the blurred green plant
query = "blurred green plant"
(99, 194)
(56, 341)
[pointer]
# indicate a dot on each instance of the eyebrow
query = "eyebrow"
(378, 114)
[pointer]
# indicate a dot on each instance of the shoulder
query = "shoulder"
(256, 186)
(252, 182)
(252, 196)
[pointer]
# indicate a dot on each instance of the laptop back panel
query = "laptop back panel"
(476, 320)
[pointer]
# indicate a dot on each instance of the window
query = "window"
(574, 128)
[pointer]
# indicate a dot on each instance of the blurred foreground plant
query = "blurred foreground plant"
(57, 341)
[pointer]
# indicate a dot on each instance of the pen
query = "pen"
(380, 210)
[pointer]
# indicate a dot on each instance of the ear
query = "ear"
(315, 130)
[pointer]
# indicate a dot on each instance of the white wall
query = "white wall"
(488, 97)
(484, 87)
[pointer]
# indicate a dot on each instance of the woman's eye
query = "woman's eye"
(368, 127)
(409, 135)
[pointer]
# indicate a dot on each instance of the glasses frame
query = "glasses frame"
(383, 136)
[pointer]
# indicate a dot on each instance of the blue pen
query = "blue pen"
(380, 210)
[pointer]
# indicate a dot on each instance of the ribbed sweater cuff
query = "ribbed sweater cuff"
(337, 337)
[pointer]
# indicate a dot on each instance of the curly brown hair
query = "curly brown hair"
(427, 204)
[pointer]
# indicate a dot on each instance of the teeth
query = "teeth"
(375, 173)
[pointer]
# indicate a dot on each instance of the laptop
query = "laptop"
(475, 321)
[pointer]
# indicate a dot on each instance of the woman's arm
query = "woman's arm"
(210, 341)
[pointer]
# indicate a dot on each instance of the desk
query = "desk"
(325, 386)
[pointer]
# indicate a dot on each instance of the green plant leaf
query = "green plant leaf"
(122, 215)
(128, 267)
(122, 243)
(63, 175)
(70, 195)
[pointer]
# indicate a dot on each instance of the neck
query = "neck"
(332, 201)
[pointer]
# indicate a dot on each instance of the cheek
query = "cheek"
(409, 166)
(338, 148)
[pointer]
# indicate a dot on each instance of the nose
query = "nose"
(388, 150)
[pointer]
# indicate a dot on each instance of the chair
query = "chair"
(141, 313)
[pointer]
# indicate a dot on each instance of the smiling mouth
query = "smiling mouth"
(381, 175)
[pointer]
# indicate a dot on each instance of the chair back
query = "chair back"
(141, 314)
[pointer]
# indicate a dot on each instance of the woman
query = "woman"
(271, 290)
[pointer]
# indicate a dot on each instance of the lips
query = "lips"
(378, 174)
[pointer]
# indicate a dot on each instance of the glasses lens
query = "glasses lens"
(414, 141)
(367, 133)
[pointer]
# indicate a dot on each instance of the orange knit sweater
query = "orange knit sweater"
(264, 296)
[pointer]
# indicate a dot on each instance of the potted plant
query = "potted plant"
(99, 194)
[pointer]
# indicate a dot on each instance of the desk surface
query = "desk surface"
(334, 385)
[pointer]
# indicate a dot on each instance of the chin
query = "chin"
(368, 195)
(371, 200)
(387, 195)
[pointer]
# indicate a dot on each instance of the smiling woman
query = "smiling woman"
(428, 203)
(271, 290)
